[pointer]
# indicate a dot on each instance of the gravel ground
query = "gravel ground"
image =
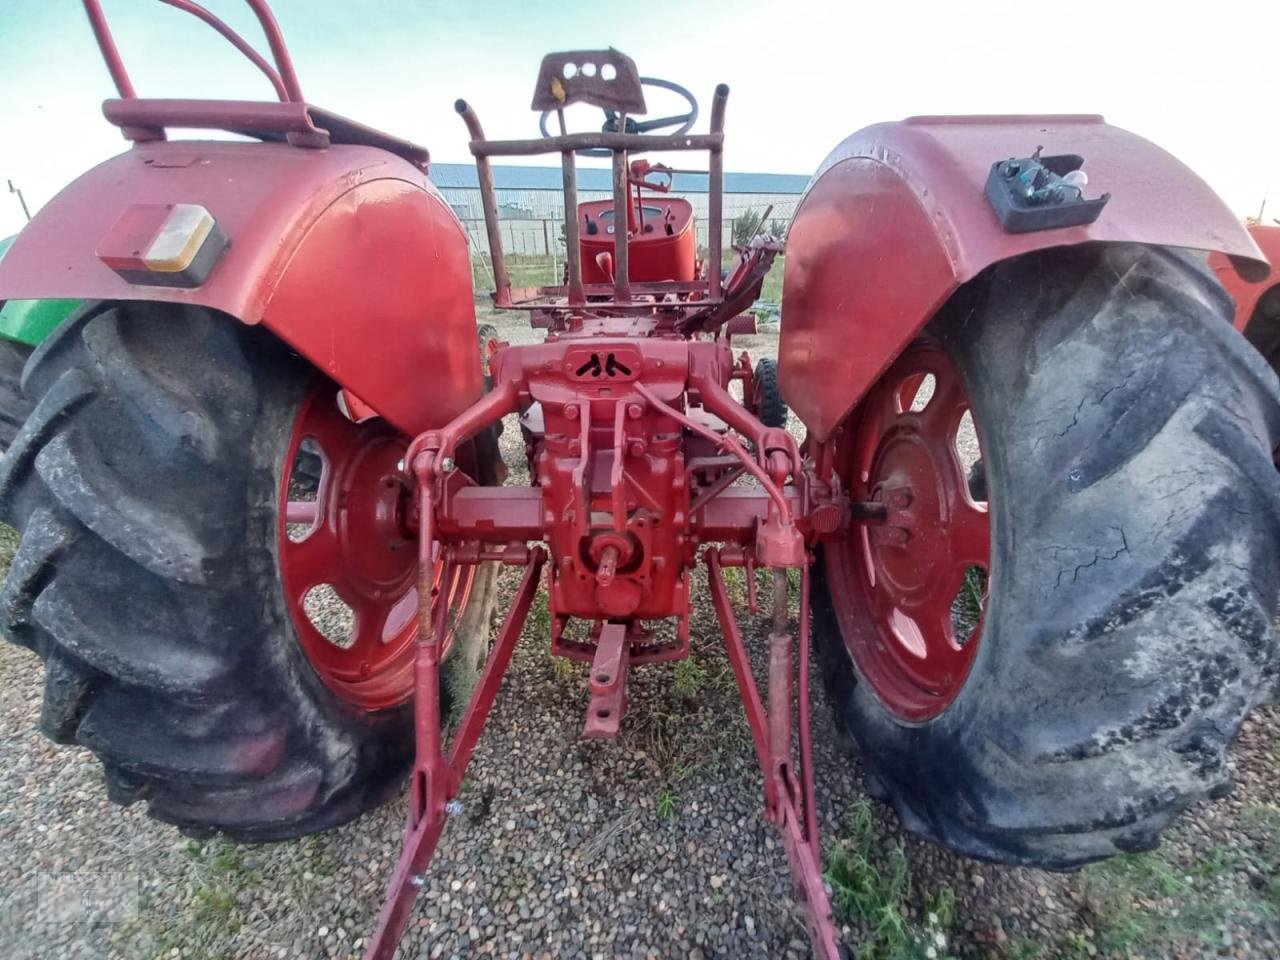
(650, 846)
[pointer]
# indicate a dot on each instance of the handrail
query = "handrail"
(280, 52)
(282, 76)
(235, 40)
(627, 142)
(107, 44)
(715, 200)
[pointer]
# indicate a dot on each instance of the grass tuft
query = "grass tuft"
(540, 615)
(668, 804)
(972, 592)
(871, 887)
(690, 678)
(1120, 893)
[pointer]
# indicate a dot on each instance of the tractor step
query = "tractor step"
(608, 682)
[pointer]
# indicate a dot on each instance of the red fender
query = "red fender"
(349, 254)
(1245, 293)
(896, 219)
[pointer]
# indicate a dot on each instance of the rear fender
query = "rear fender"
(30, 321)
(348, 254)
(1247, 293)
(896, 219)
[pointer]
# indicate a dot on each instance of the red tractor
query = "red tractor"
(1257, 298)
(273, 387)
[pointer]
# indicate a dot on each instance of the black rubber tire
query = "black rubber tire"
(770, 408)
(146, 487)
(1263, 328)
(1127, 434)
(14, 407)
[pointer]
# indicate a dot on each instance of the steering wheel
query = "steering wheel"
(683, 122)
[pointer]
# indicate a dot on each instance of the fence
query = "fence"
(534, 251)
(545, 238)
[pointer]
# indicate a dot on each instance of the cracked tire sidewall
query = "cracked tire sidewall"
(1126, 433)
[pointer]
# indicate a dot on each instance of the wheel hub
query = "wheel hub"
(348, 554)
(906, 549)
(900, 582)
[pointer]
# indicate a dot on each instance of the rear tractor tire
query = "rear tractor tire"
(208, 571)
(1050, 676)
(14, 407)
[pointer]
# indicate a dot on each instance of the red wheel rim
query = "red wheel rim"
(487, 349)
(894, 585)
(358, 537)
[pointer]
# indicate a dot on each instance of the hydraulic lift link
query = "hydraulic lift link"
(437, 775)
(789, 801)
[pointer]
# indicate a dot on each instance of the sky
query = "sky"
(1200, 79)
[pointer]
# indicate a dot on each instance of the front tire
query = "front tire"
(147, 487)
(1126, 434)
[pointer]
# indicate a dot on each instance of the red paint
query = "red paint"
(656, 254)
(310, 230)
(608, 682)
(609, 454)
(789, 800)
(436, 777)
(893, 584)
(1247, 293)
(363, 544)
(282, 76)
(896, 220)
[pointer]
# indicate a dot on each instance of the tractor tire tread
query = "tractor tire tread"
(14, 407)
(1127, 432)
(771, 409)
(144, 484)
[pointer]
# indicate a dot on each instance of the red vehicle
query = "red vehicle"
(1257, 300)
(274, 388)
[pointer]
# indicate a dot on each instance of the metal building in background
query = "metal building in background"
(531, 201)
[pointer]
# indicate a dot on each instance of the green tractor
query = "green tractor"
(23, 324)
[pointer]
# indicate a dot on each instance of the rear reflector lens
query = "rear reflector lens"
(163, 244)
